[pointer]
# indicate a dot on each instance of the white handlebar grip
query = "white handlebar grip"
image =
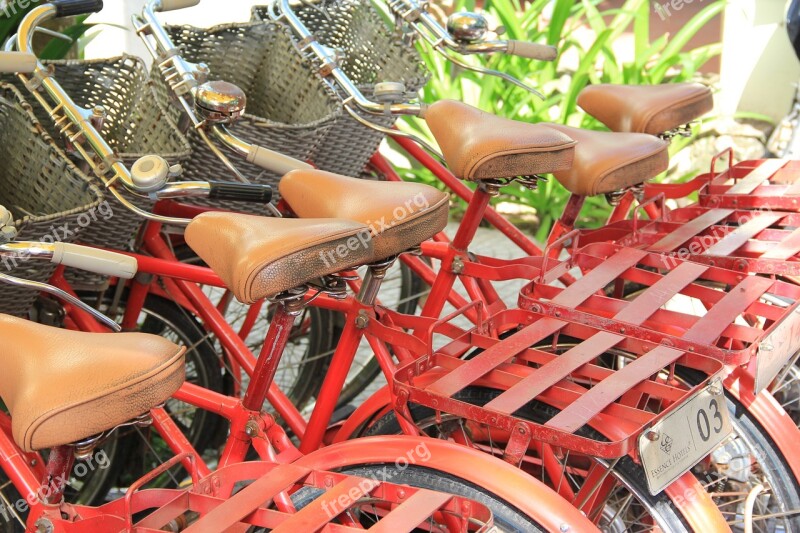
(172, 5)
(17, 62)
(275, 162)
(542, 52)
(94, 260)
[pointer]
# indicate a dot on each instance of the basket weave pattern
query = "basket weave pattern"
(289, 109)
(44, 192)
(372, 53)
(134, 126)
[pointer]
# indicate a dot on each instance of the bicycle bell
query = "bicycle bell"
(7, 230)
(467, 27)
(219, 102)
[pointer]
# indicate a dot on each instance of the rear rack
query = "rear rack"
(732, 317)
(739, 240)
(756, 184)
(401, 508)
(576, 383)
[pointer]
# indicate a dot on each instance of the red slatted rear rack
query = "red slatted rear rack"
(733, 317)
(211, 508)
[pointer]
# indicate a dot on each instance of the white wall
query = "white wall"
(759, 68)
(112, 41)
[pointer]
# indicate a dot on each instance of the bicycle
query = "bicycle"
(132, 374)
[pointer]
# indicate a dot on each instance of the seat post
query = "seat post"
(373, 281)
(566, 222)
(474, 214)
(59, 466)
(290, 305)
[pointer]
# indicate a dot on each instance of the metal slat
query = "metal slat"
(724, 312)
(325, 508)
(244, 502)
(690, 229)
(604, 394)
(635, 312)
(599, 277)
(757, 176)
(548, 375)
(738, 237)
(412, 513)
(493, 357)
(786, 249)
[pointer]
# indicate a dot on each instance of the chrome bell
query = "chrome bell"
(219, 101)
(467, 27)
(7, 230)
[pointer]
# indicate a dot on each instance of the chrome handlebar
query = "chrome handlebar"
(77, 125)
(188, 81)
(91, 259)
(330, 66)
(467, 36)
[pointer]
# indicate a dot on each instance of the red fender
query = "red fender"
(694, 503)
(479, 468)
(769, 413)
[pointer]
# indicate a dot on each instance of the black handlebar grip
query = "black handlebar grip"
(240, 192)
(70, 8)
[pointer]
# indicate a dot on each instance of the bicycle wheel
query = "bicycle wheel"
(628, 507)
(750, 457)
(132, 451)
(506, 517)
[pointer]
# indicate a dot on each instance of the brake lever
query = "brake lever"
(58, 293)
(395, 133)
(490, 72)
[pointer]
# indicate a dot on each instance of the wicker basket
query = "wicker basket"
(134, 126)
(289, 109)
(373, 53)
(43, 190)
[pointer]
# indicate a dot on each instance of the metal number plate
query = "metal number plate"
(683, 437)
(778, 348)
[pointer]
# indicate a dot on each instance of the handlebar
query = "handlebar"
(542, 52)
(466, 35)
(149, 179)
(17, 62)
(172, 5)
(94, 260)
(71, 8)
(187, 82)
(73, 255)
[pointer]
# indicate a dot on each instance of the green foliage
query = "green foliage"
(585, 37)
(12, 15)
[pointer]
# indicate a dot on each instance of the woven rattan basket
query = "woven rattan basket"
(135, 125)
(372, 53)
(51, 200)
(289, 109)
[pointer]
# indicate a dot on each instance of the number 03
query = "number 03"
(704, 423)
